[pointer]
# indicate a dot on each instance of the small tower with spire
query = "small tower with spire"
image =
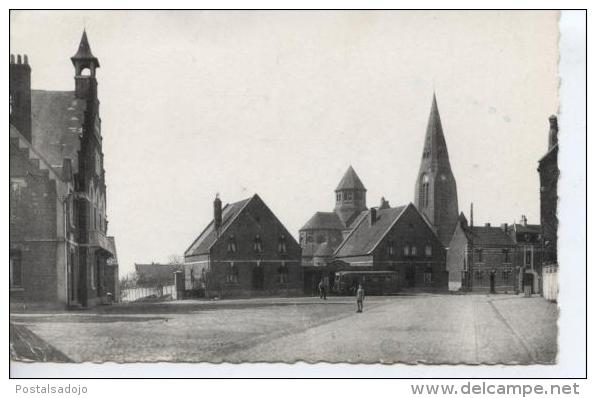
(85, 64)
(436, 190)
(350, 197)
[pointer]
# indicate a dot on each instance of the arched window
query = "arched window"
(258, 245)
(281, 244)
(232, 244)
(423, 194)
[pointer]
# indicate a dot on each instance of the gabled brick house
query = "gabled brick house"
(244, 251)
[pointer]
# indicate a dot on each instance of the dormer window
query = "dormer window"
(281, 244)
(232, 244)
(258, 245)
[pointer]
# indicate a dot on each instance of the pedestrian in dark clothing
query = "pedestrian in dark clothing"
(359, 297)
(322, 291)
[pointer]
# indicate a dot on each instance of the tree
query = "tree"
(175, 259)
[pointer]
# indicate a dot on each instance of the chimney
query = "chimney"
(487, 224)
(373, 215)
(20, 94)
(524, 220)
(217, 213)
(384, 204)
(505, 227)
(553, 134)
(471, 214)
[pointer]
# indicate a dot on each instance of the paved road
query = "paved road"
(424, 329)
(412, 329)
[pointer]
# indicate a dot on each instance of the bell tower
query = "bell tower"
(85, 64)
(350, 197)
(436, 191)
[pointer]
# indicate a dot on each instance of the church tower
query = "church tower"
(85, 64)
(436, 191)
(90, 186)
(350, 197)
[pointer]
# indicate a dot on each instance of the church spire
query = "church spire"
(85, 64)
(435, 148)
(436, 192)
(84, 52)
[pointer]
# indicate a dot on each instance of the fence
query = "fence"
(137, 293)
(550, 282)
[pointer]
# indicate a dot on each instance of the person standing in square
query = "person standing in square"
(359, 297)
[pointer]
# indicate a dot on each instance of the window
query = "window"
(406, 250)
(281, 244)
(16, 271)
(338, 196)
(506, 255)
(528, 256)
(423, 194)
(479, 255)
(506, 274)
(413, 250)
(232, 244)
(428, 250)
(390, 248)
(478, 275)
(309, 239)
(428, 276)
(349, 195)
(258, 244)
(232, 273)
(282, 273)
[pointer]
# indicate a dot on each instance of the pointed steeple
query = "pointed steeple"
(84, 53)
(350, 197)
(435, 147)
(436, 191)
(350, 180)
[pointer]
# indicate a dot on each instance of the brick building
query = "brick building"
(244, 251)
(482, 256)
(155, 274)
(548, 170)
(396, 239)
(60, 254)
(528, 256)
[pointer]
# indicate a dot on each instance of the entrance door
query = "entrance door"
(410, 275)
(258, 278)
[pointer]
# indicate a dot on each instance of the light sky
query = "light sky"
(281, 103)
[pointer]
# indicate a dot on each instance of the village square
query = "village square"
(364, 280)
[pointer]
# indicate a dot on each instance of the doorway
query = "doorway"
(258, 278)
